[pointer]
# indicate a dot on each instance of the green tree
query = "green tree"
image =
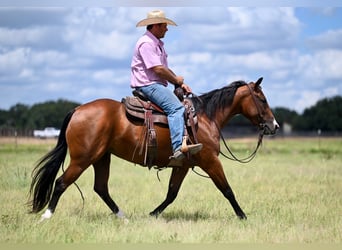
(50, 114)
(39, 116)
(18, 116)
(284, 115)
(325, 115)
(3, 117)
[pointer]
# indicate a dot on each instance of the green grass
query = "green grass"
(291, 193)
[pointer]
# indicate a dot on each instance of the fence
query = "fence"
(12, 132)
(228, 132)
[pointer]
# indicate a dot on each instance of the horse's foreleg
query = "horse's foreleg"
(101, 169)
(217, 175)
(177, 176)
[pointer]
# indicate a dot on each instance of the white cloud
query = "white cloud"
(112, 45)
(53, 86)
(239, 30)
(48, 58)
(100, 32)
(320, 66)
(84, 53)
(103, 75)
(12, 61)
(15, 37)
(307, 99)
(331, 91)
(330, 39)
(41, 37)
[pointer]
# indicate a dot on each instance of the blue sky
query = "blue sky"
(83, 53)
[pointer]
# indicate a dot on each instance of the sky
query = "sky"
(84, 53)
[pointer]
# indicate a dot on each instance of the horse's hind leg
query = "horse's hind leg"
(70, 175)
(176, 180)
(101, 169)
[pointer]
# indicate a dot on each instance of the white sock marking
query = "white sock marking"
(46, 215)
(121, 215)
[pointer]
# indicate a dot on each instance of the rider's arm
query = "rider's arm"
(171, 77)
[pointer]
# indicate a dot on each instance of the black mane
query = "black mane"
(217, 99)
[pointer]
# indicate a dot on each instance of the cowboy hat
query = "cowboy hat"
(154, 17)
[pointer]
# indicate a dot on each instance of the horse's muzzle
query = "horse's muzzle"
(269, 128)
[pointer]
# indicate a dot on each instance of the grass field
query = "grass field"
(291, 193)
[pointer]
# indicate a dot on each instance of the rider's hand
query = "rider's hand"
(180, 82)
(186, 88)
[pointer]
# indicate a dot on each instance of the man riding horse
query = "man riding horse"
(94, 131)
(150, 75)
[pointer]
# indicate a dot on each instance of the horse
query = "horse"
(93, 131)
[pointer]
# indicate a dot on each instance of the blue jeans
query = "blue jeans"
(174, 109)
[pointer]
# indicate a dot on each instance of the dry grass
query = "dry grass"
(291, 193)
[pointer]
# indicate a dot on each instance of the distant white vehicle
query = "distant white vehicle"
(48, 132)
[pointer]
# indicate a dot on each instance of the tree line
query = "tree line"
(325, 115)
(38, 116)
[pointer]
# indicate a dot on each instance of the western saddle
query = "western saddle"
(139, 108)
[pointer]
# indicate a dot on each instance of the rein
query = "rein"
(261, 135)
(232, 155)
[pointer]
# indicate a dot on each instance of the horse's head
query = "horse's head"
(256, 109)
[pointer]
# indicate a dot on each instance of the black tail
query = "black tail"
(44, 174)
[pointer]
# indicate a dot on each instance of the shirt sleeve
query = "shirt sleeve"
(150, 55)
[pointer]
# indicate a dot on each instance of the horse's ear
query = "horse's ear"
(258, 82)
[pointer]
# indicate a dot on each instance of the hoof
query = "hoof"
(122, 216)
(154, 214)
(47, 215)
(242, 217)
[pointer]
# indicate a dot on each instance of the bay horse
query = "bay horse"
(95, 130)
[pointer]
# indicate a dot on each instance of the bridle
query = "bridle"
(262, 127)
(262, 124)
(232, 156)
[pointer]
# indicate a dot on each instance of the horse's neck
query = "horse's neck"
(235, 108)
(223, 117)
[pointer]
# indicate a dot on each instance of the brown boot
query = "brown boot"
(177, 155)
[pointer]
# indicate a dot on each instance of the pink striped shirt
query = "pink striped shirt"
(148, 53)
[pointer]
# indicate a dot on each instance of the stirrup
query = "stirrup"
(192, 148)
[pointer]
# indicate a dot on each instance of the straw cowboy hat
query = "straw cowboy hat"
(154, 17)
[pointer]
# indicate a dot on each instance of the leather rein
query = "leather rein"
(247, 159)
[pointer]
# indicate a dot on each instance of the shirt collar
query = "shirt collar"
(155, 39)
